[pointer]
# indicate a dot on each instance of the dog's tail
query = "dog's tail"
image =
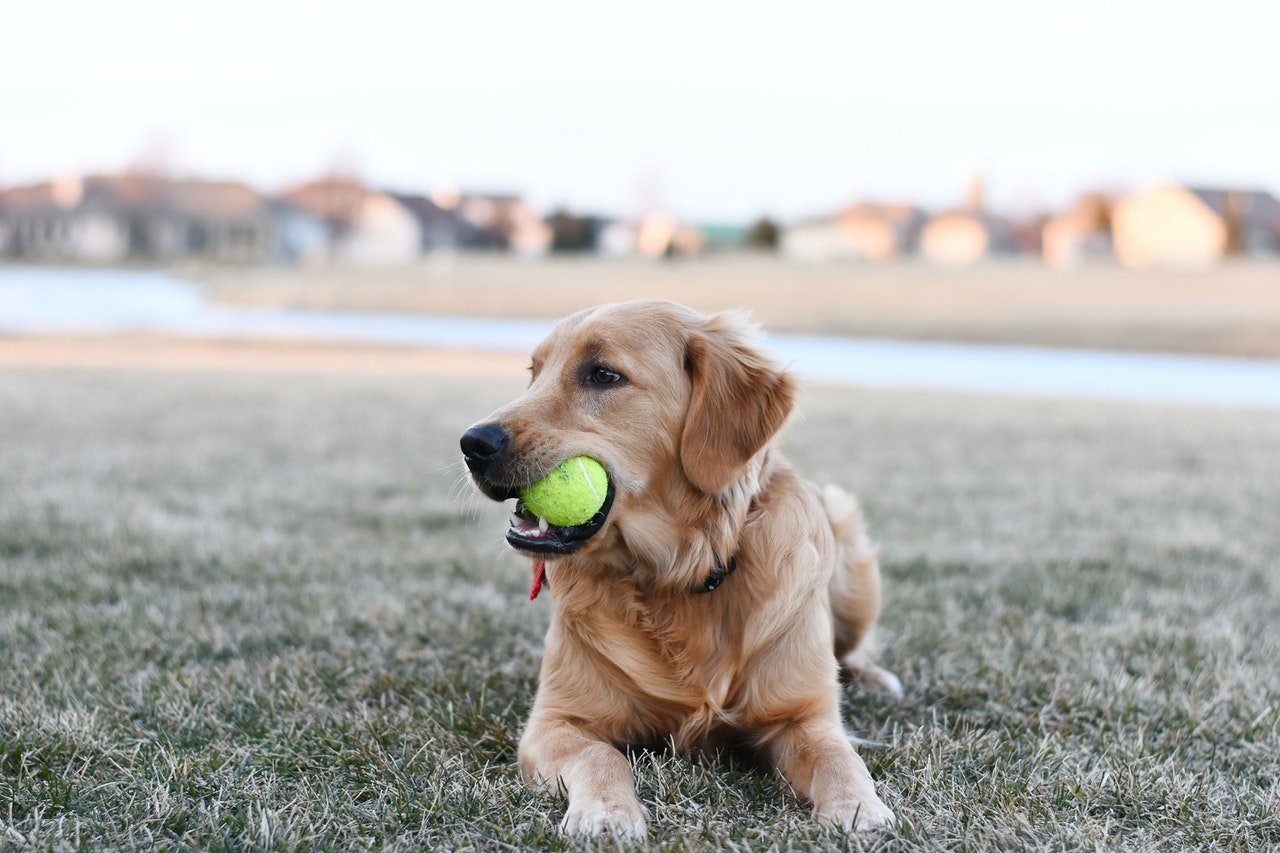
(855, 591)
(846, 518)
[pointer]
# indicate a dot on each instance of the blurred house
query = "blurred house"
(90, 220)
(661, 235)
(969, 234)
(962, 237)
(1187, 226)
(881, 232)
(1025, 232)
(111, 218)
(1081, 234)
(482, 223)
(504, 221)
(372, 228)
(618, 239)
(865, 231)
(381, 232)
(440, 227)
(334, 200)
(365, 227)
(220, 221)
(817, 240)
(302, 237)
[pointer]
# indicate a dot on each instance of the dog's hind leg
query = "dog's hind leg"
(855, 594)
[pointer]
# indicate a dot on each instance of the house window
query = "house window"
(198, 237)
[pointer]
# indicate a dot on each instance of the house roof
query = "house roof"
(215, 198)
(426, 211)
(135, 193)
(27, 198)
(493, 198)
(891, 213)
(1255, 207)
(963, 213)
(129, 191)
(1091, 212)
(118, 192)
(329, 198)
(999, 230)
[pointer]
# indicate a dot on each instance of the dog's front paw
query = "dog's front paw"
(601, 817)
(861, 815)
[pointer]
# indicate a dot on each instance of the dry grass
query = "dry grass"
(249, 610)
(1230, 310)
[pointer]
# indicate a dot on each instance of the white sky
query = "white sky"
(718, 110)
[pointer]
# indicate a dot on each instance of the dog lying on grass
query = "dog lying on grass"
(703, 603)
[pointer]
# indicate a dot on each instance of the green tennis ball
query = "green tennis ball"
(570, 494)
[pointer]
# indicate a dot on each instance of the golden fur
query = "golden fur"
(635, 654)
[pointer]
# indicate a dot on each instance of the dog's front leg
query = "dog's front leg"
(815, 756)
(595, 776)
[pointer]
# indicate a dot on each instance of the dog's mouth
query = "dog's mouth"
(536, 535)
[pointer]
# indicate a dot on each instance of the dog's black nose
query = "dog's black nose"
(481, 444)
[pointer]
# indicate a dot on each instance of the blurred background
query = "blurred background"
(1085, 175)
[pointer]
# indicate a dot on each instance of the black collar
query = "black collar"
(718, 574)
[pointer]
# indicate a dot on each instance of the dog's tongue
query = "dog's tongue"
(539, 575)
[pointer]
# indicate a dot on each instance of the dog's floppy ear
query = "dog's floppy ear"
(740, 399)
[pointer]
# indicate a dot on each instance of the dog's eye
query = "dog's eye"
(604, 376)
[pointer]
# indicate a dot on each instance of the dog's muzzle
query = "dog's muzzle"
(485, 448)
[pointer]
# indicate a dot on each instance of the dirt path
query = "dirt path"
(156, 352)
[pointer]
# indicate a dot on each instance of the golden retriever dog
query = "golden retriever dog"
(712, 599)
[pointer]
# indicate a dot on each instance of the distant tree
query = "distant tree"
(570, 233)
(763, 234)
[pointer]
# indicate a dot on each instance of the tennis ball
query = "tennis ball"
(570, 494)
